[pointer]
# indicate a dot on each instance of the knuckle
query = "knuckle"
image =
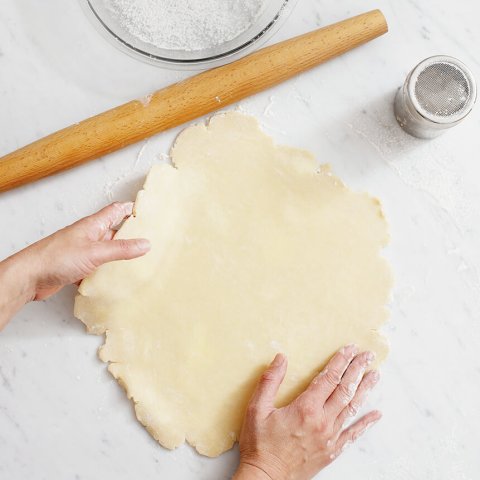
(332, 377)
(334, 455)
(92, 261)
(353, 409)
(88, 223)
(355, 432)
(344, 390)
(322, 426)
(268, 376)
(123, 245)
(352, 436)
(345, 444)
(308, 411)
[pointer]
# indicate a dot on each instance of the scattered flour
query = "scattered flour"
(187, 25)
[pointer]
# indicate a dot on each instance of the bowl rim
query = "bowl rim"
(259, 39)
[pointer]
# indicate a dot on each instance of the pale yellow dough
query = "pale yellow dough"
(255, 250)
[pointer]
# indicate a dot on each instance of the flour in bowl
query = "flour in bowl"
(186, 24)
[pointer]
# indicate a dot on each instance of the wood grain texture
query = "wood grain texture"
(186, 100)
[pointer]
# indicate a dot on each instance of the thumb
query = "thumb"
(269, 383)
(123, 249)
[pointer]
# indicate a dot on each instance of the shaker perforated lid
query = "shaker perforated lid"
(438, 94)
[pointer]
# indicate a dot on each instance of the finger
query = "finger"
(324, 384)
(110, 216)
(368, 382)
(352, 433)
(267, 388)
(112, 250)
(347, 387)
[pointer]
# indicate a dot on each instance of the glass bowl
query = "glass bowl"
(269, 21)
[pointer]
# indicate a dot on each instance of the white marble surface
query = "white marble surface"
(63, 417)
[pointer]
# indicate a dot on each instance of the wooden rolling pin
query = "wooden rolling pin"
(186, 100)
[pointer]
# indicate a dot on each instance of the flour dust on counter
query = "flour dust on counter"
(187, 25)
(256, 249)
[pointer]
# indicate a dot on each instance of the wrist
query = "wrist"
(18, 273)
(17, 286)
(264, 466)
(248, 471)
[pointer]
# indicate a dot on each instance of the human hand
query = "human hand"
(295, 442)
(66, 257)
(73, 253)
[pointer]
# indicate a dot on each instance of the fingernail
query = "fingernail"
(375, 376)
(372, 423)
(278, 360)
(350, 350)
(143, 245)
(370, 357)
(376, 413)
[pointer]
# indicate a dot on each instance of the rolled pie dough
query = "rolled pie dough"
(255, 250)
